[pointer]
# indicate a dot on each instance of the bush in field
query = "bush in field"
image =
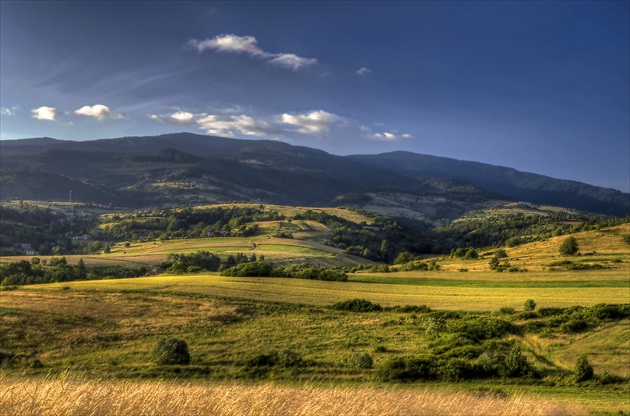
(404, 257)
(609, 378)
(253, 269)
(435, 325)
(480, 328)
(290, 359)
(529, 305)
(609, 311)
(171, 351)
(573, 325)
(550, 311)
(583, 370)
(455, 369)
(361, 360)
(513, 242)
(569, 247)
(306, 271)
(357, 305)
(500, 253)
(506, 310)
(408, 369)
(490, 363)
(471, 253)
(516, 364)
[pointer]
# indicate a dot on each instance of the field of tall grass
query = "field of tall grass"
(70, 396)
(438, 290)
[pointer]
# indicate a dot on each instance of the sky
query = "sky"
(541, 87)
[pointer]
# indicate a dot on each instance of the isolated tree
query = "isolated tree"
(82, 270)
(513, 242)
(404, 257)
(384, 250)
(171, 351)
(516, 364)
(569, 247)
(583, 370)
(471, 253)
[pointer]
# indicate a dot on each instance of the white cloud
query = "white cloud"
(390, 136)
(8, 111)
(363, 71)
(226, 125)
(228, 43)
(45, 113)
(99, 111)
(249, 45)
(320, 124)
(314, 123)
(291, 61)
(182, 118)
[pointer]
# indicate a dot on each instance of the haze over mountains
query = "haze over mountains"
(189, 168)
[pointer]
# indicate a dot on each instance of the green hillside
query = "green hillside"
(449, 320)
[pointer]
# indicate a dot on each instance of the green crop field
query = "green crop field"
(388, 290)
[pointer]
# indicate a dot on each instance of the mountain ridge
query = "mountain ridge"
(188, 167)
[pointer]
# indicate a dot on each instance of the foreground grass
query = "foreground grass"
(71, 396)
(111, 335)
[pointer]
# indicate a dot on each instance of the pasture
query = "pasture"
(52, 334)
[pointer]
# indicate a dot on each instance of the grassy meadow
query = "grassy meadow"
(262, 345)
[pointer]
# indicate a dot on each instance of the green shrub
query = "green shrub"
(500, 253)
(171, 351)
(514, 241)
(550, 311)
(404, 257)
(515, 364)
(609, 311)
(569, 247)
(408, 369)
(450, 342)
(573, 325)
(455, 370)
(583, 370)
(434, 326)
(609, 378)
(361, 360)
(507, 311)
(253, 269)
(526, 315)
(533, 326)
(357, 305)
(480, 328)
(490, 363)
(267, 359)
(529, 305)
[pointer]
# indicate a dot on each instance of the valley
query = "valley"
(445, 321)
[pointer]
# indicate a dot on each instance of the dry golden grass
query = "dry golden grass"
(67, 395)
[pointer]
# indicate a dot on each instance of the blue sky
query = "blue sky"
(538, 86)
